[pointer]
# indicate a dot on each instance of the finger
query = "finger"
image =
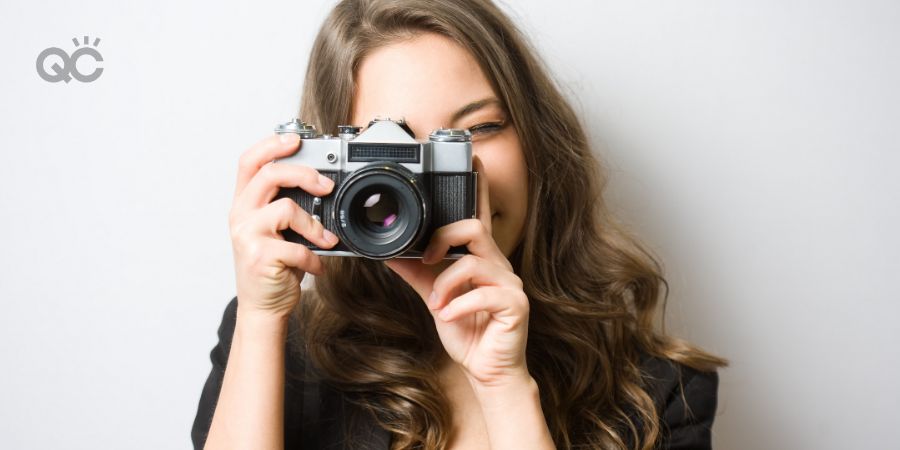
(483, 205)
(261, 153)
(419, 276)
(506, 305)
(268, 257)
(470, 272)
(284, 213)
(291, 254)
(469, 232)
(273, 176)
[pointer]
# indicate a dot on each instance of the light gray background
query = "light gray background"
(753, 145)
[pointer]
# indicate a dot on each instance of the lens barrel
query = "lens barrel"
(381, 210)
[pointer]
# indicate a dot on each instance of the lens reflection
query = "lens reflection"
(381, 209)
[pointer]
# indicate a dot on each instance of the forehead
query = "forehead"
(424, 80)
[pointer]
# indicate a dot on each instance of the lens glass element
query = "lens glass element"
(382, 210)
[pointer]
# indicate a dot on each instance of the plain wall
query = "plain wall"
(752, 145)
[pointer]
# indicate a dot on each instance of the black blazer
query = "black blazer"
(316, 416)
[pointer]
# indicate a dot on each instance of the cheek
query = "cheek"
(507, 174)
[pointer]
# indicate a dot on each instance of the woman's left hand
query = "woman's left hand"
(478, 305)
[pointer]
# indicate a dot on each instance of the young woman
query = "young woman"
(543, 337)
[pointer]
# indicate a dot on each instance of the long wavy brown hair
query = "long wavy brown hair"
(594, 290)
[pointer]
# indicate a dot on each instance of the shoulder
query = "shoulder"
(685, 399)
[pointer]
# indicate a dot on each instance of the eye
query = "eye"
(486, 128)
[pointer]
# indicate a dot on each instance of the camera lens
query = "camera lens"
(381, 210)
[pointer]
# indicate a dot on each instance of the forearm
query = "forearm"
(513, 416)
(250, 410)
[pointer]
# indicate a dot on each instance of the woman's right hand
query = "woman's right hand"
(269, 269)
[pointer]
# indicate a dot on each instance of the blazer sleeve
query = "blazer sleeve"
(686, 399)
(210, 395)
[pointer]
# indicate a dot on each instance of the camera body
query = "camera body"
(391, 191)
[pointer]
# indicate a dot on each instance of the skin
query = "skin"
(425, 81)
(479, 308)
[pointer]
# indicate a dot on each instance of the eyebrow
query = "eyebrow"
(472, 107)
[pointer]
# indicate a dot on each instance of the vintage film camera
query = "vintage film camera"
(390, 191)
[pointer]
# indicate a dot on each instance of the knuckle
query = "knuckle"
(521, 301)
(253, 255)
(235, 234)
(268, 171)
(517, 282)
(245, 162)
(475, 226)
(237, 231)
(248, 161)
(286, 207)
(240, 241)
(297, 214)
(469, 262)
(306, 260)
(233, 218)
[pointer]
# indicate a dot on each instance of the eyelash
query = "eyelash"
(487, 128)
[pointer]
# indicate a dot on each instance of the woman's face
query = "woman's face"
(432, 82)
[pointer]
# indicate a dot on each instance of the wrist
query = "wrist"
(513, 414)
(260, 325)
(506, 393)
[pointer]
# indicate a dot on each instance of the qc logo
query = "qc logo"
(69, 67)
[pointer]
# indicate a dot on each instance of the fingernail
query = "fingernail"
(289, 138)
(329, 237)
(325, 182)
(432, 299)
